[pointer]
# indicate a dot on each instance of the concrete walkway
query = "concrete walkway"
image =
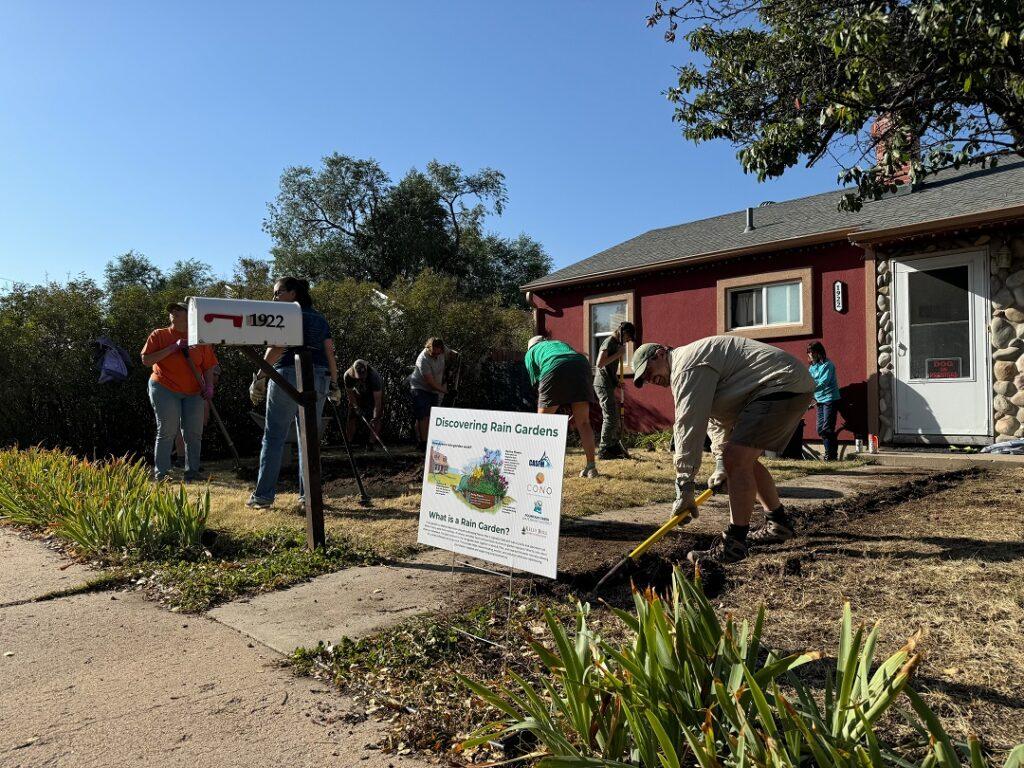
(357, 602)
(31, 571)
(110, 679)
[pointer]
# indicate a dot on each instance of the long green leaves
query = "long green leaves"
(687, 689)
(109, 508)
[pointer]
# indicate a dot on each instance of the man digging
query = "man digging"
(365, 390)
(606, 383)
(756, 395)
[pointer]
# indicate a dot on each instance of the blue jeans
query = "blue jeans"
(176, 412)
(282, 412)
(827, 413)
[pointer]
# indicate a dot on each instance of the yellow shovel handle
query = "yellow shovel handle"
(672, 523)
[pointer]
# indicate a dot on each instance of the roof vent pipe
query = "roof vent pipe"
(750, 220)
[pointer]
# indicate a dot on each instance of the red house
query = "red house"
(918, 298)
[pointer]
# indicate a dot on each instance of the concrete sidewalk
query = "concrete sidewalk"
(111, 679)
(942, 462)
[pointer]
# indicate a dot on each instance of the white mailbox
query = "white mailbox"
(241, 322)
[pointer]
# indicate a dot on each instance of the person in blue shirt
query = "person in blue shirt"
(282, 411)
(826, 395)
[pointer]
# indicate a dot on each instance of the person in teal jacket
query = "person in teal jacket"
(564, 377)
(826, 395)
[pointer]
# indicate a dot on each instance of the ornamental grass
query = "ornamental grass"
(110, 509)
(686, 689)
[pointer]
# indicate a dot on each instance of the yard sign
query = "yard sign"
(492, 486)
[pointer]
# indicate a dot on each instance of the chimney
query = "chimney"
(883, 131)
(750, 220)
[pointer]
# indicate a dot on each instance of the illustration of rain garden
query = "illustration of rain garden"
(482, 485)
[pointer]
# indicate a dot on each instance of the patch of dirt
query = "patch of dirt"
(944, 555)
(381, 478)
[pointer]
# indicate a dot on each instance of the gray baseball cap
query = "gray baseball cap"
(641, 357)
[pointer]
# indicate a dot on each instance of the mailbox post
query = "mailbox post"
(250, 324)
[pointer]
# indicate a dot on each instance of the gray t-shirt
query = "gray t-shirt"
(607, 376)
(425, 364)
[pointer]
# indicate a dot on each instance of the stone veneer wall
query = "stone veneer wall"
(1006, 328)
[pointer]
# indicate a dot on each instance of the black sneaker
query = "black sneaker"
(771, 532)
(725, 549)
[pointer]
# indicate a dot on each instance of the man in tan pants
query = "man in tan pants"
(755, 395)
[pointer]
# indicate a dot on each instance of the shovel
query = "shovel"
(633, 556)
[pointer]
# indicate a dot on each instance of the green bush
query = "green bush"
(110, 508)
(52, 397)
(688, 690)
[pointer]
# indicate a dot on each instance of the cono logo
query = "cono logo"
(539, 490)
(540, 477)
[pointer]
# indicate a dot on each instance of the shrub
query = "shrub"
(52, 397)
(109, 508)
(686, 689)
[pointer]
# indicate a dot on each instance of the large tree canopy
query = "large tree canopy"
(790, 81)
(349, 220)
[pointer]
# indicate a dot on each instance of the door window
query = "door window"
(939, 304)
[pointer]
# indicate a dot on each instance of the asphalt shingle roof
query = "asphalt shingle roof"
(948, 194)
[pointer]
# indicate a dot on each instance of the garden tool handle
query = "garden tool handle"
(668, 526)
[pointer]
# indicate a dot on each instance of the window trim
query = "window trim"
(608, 298)
(805, 327)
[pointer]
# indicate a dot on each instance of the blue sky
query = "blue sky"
(164, 127)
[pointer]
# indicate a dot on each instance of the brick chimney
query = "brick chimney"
(882, 132)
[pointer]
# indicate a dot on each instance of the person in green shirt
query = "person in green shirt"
(563, 377)
(606, 383)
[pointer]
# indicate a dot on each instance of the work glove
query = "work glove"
(684, 499)
(718, 481)
(334, 393)
(181, 345)
(207, 392)
(258, 390)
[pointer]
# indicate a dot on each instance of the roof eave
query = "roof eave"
(989, 216)
(818, 238)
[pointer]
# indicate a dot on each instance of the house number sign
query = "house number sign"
(839, 295)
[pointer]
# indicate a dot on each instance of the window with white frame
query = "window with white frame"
(605, 317)
(759, 306)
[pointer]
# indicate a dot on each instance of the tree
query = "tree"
(790, 81)
(348, 220)
(502, 264)
(325, 214)
(455, 187)
(189, 276)
(411, 224)
(131, 268)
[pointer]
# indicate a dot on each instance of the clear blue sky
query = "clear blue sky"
(163, 127)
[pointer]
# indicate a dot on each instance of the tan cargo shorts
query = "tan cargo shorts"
(769, 423)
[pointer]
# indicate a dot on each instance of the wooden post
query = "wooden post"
(309, 427)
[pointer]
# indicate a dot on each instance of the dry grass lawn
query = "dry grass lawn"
(388, 528)
(951, 564)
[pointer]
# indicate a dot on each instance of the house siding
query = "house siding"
(678, 306)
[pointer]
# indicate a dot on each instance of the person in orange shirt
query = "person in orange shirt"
(176, 396)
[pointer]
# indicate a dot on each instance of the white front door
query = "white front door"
(940, 345)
